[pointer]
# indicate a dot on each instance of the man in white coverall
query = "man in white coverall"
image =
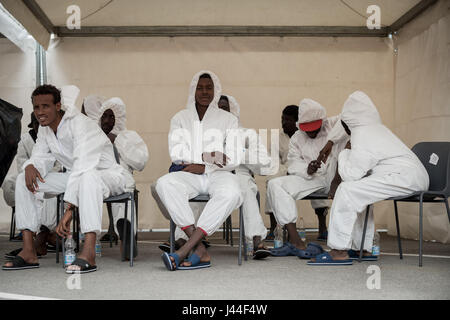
(255, 231)
(92, 175)
(307, 175)
(48, 206)
(197, 138)
(374, 167)
(132, 152)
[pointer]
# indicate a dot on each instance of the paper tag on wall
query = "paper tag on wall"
(434, 159)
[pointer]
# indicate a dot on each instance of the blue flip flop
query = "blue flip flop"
(312, 250)
(194, 259)
(355, 256)
(287, 249)
(325, 259)
(168, 262)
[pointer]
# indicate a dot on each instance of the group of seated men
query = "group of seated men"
(352, 157)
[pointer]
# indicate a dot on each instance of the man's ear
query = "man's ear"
(58, 106)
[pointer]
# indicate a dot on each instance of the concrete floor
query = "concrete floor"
(286, 278)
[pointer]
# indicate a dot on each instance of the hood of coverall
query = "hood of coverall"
(193, 87)
(309, 111)
(359, 111)
(118, 107)
(69, 95)
(92, 104)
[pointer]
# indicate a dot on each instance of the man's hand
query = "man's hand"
(195, 168)
(313, 167)
(325, 152)
(63, 228)
(348, 145)
(31, 176)
(215, 157)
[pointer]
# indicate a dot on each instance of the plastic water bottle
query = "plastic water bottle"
(81, 236)
(278, 237)
(69, 256)
(98, 248)
(302, 230)
(249, 244)
(376, 244)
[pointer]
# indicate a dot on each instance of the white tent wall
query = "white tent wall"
(17, 81)
(422, 105)
(152, 76)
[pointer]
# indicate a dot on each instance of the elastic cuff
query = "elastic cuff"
(184, 228)
(204, 232)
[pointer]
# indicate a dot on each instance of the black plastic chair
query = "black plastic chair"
(242, 241)
(438, 191)
(122, 198)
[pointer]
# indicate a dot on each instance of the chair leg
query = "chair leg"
(361, 248)
(111, 223)
(57, 222)
(132, 232)
(244, 240)
(124, 230)
(61, 211)
(230, 228)
(398, 231)
(223, 231)
(240, 237)
(172, 236)
(448, 209)
(136, 201)
(420, 229)
(12, 228)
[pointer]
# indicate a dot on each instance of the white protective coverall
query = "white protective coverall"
(132, 150)
(254, 225)
(189, 138)
(47, 207)
(377, 167)
(284, 191)
(92, 173)
(283, 166)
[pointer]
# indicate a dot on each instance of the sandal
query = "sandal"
(20, 264)
(12, 254)
(168, 262)
(85, 267)
(312, 250)
(194, 259)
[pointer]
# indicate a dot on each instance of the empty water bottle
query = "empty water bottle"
(376, 244)
(98, 248)
(302, 230)
(69, 256)
(278, 237)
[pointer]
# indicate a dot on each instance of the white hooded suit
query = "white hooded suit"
(188, 139)
(284, 191)
(92, 173)
(377, 167)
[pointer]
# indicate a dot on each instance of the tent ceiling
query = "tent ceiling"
(213, 17)
(225, 13)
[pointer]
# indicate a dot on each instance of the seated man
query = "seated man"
(255, 231)
(374, 167)
(289, 121)
(132, 152)
(307, 175)
(91, 176)
(45, 239)
(197, 138)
